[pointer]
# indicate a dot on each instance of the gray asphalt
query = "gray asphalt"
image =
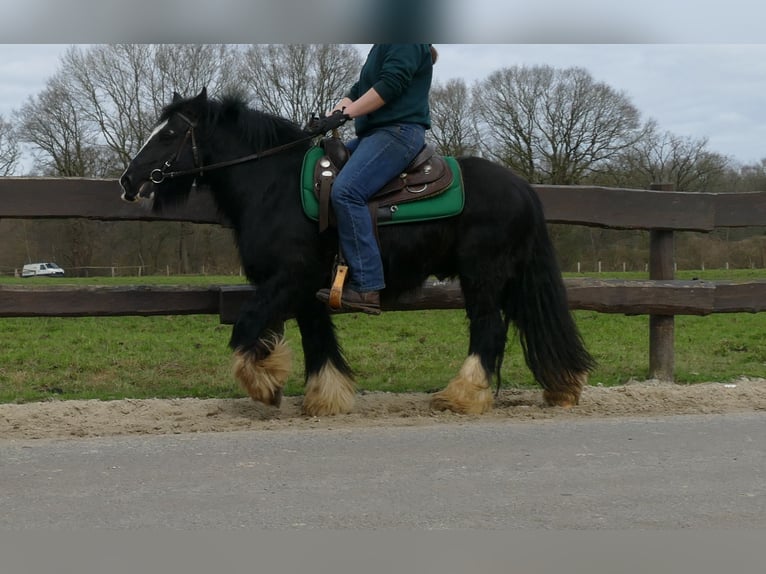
(706, 471)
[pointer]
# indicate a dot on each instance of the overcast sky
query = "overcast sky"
(714, 91)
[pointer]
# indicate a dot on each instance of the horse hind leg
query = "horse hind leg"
(568, 396)
(470, 391)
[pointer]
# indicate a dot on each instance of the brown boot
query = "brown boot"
(354, 301)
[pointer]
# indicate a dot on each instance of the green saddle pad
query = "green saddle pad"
(446, 204)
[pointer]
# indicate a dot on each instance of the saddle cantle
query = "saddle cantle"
(427, 176)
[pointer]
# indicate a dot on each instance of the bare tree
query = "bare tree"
(453, 123)
(297, 80)
(10, 152)
(111, 82)
(747, 177)
(664, 157)
(553, 125)
(64, 141)
(122, 87)
(187, 68)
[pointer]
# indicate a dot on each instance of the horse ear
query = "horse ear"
(203, 94)
(177, 97)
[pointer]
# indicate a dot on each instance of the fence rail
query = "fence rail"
(660, 210)
(614, 208)
(627, 297)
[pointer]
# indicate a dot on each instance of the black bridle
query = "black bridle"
(161, 174)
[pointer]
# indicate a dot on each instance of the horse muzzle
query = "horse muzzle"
(129, 194)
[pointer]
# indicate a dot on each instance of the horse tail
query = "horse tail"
(536, 302)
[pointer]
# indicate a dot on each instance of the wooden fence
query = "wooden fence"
(659, 210)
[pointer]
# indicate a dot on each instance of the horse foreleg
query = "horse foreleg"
(264, 369)
(330, 387)
(262, 359)
(328, 392)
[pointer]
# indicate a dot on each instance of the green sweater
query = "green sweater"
(401, 74)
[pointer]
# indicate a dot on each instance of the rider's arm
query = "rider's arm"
(366, 104)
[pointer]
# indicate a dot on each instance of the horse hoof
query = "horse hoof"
(478, 405)
(328, 392)
(264, 378)
(468, 393)
(568, 398)
(562, 399)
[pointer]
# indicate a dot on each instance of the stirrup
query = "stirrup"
(336, 291)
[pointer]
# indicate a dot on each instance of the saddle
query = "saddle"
(427, 175)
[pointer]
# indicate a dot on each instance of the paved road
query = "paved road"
(677, 472)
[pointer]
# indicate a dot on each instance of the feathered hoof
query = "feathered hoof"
(264, 378)
(468, 393)
(328, 392)
(568, 398)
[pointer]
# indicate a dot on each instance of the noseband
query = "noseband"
(161, 174)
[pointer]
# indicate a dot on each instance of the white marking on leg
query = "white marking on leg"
(468, 392)
(263, 379)
(328, 392)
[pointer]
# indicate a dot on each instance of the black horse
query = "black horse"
(498, 248)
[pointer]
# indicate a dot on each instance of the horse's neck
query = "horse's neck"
(239, 188)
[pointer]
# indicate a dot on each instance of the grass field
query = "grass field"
(187, 356)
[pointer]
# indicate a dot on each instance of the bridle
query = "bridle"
(161, 174)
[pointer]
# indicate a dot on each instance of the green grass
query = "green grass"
(187, 356)
(707, 274)
(128, 280)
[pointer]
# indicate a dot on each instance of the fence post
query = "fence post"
(661, 327)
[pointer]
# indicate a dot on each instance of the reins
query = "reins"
(159, 175)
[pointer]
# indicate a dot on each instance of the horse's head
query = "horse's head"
(165, 167)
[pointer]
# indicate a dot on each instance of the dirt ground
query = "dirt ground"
(62, 419)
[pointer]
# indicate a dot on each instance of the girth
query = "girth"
(426, 176)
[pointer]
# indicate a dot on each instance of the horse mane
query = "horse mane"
(257, 129)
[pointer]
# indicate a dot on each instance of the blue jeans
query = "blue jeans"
(378, 157)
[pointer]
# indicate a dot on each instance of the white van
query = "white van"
(42, 270)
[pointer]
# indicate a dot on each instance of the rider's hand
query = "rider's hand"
(320, 126)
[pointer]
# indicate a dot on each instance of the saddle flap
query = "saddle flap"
(336, 151)
(429, 178)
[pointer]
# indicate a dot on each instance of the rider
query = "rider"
(389, 104)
